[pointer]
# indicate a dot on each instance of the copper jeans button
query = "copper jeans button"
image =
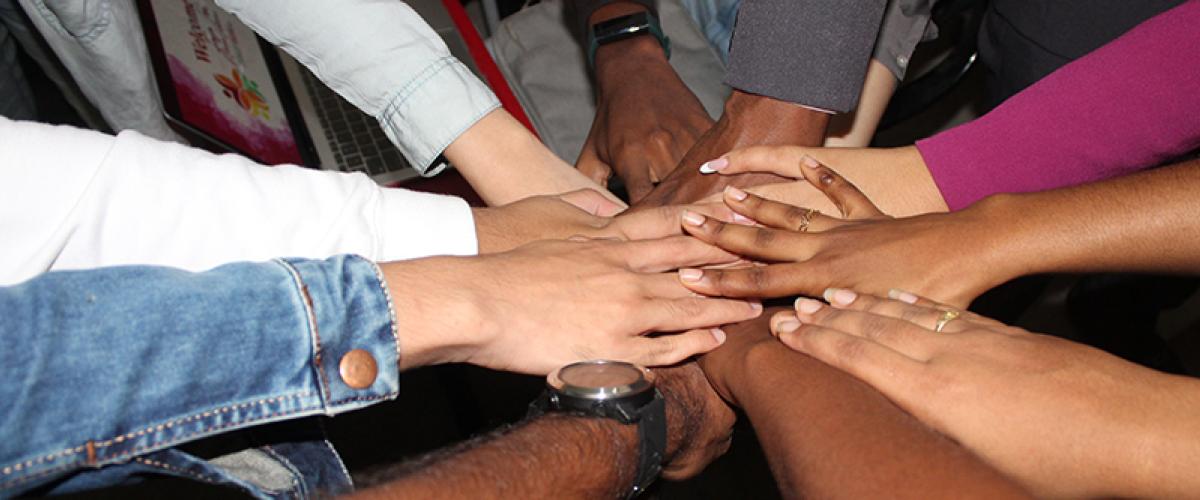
(358, 369)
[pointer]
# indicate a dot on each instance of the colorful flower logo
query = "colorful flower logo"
(245, 92)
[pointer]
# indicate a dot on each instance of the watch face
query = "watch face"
(601, 379)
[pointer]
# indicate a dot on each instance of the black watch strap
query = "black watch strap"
(651, 420)
(652, 444)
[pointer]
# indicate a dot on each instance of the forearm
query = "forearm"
(504, 162)
(1146, 222)
(554, 456)
(384, 59)
(1079, 125)
(826, 435)
(145, 358)
(105, 201)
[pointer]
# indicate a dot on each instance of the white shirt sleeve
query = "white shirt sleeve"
(383, 58)
(72, 199)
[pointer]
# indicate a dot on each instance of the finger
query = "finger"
(778, 280)
(777, 215)
(670, 349)
(762, 243)
(924, 316)
(670, 253)
(897, 334)
(671, 315)
(592, 202)
(665, 286)
(660, 222)
(779, 160)
(888, 371)
(914, 299)
(849, 199)
(592, 166)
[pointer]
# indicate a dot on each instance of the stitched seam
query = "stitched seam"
(172, 468)
(297, 487)
(8, 470)
(387, 295)
(159, 445)
(312, 326)
(402, 95)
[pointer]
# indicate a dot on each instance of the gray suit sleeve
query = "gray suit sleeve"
(810, 52)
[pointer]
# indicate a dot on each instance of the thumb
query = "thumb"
(779, 160)
(592, 202)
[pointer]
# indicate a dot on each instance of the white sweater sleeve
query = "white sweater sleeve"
(73, 199)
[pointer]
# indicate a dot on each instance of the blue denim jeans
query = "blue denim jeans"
(107, 372)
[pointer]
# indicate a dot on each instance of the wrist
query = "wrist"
(996, 226)
(762, 120)
(437, 321)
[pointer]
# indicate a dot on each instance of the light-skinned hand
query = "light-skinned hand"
(550, 303)
(1065, 419)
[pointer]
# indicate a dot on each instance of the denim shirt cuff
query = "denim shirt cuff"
(431, 111)
(350, 313)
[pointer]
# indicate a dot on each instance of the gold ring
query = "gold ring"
(805, 219)
(947, 316)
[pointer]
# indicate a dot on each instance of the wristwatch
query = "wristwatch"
(620, 28)
(618, 390)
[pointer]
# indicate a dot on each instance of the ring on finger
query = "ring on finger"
(806, 219)
(946, 317)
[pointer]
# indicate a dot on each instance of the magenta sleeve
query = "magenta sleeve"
(1129, 105)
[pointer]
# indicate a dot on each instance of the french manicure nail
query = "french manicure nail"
(693, 218)
(808, 306)
(691, 275)
(840, 296)
(787, 326)
(844, 297)
(718, 334)
(735, 193)
(902, 296)
(810, 162)
(714, 166)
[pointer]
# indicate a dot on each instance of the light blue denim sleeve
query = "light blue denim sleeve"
(383, 58)
(102, 366)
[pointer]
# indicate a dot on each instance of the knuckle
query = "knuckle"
(793, 215)
(763, 237)
(848, 350)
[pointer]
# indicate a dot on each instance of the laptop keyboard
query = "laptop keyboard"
(358, 143)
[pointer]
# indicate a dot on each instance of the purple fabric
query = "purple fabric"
(1131, 104)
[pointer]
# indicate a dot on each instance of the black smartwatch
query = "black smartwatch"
(620, 28)
(618, 390)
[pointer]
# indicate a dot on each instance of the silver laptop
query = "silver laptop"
(228, 90)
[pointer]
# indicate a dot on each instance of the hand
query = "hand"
(947, 256)
(699, 424)
(578, 213)
(646, 117)
(1066, 419)
(897, 180)
(748, 120)
(551, 303)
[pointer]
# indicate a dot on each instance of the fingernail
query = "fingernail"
(742, 220)
(756, 306)
(714, 166)
(718, 334)
(810, 162)
(902, 296)
(735, 193)
(839, 296)
(691, 275)
(808, 306)
(787, 326)
(693, 218)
